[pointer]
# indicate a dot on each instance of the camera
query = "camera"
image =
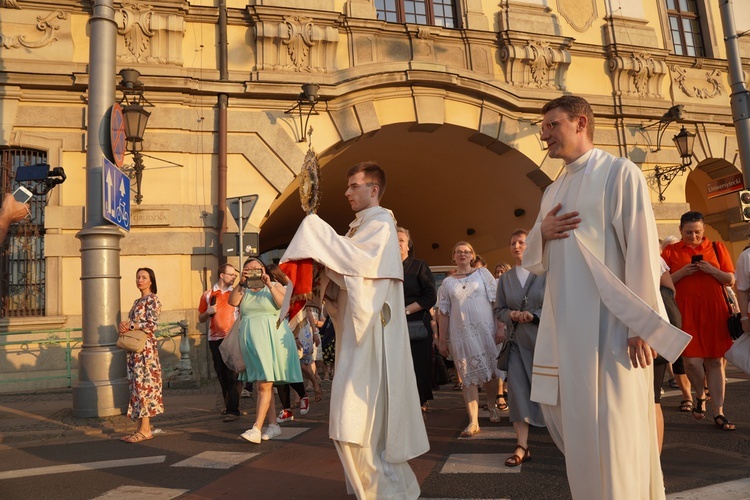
(40, 178)
(696, 258)
(253, 278)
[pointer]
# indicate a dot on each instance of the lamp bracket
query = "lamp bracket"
(663, 177)
(673, 114)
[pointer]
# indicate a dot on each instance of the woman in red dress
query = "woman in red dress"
(700, 269)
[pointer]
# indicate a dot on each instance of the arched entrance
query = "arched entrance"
(442, 184)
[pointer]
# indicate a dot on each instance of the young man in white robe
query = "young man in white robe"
(596, 239)
(375, 419)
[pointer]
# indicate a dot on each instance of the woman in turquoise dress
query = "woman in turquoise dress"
(270, 352)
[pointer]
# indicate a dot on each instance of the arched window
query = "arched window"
(429, 12)
(22, 269)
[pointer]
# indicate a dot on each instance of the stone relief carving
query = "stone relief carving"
(45, 24)
(149, 36)
(9, 4)
(299, 41)
(695, 87)
(537, 64)
(295, 43)
(639, 75)
(580, 14)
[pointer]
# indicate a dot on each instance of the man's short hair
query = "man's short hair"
(518, 232)
(374, 174)
(223, 267)
(574, 106)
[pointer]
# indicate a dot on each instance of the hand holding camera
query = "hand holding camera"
(252, 278)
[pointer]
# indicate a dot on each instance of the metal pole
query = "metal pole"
(740, 97)
(102, 387)
(241, 225)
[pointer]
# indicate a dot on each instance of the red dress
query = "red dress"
(701, 299)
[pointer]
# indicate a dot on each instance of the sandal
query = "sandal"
(318, 395)
(458, 386)
(673, 384)
(698, 412)
(495, 415)
(686, 405)
(471, 430)
(136, 437)
(501, 406)
(515, 460)
(724, 424)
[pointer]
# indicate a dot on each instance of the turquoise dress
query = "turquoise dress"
(270, 353)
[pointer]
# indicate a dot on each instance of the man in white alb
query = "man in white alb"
(375, 419)
(596, 238)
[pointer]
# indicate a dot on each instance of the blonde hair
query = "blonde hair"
(465, 244)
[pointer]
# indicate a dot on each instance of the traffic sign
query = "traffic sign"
(231, 244)
(116, 196)
(117, 134)
(241, 207)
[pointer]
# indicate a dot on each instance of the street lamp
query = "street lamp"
(136, 118)
(307, 98)
(665, 175)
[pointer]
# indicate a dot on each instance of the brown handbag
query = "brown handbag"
(132, 340)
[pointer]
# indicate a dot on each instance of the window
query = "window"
(685, 28)
(431, 12)
(22, 266)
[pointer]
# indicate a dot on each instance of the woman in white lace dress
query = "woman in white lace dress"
(467, 330)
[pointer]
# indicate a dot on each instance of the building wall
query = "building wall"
(491, 77)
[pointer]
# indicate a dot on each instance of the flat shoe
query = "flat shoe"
(136, 437)
(471, 430)
(515, 460)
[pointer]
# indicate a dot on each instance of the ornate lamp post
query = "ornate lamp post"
(136, 118)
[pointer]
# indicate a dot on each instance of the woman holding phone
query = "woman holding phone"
(700, 270)
(269, 350)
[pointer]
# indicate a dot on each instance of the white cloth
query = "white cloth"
(742, 271)
(468, 301)
(602, 289)
(375, 418)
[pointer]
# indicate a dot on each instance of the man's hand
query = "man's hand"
(210, 310)
(12, 210)
(555, 227)
(641, 354)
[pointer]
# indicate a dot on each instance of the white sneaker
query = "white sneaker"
(272, 431)
(245, 394)
(253, 435)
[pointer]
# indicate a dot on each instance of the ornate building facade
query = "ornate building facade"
(445, 94)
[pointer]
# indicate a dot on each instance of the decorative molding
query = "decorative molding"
(580, 14)
(45, 24)
(9, 4)
(685, 82)
(299, 41)
(536, 63)
(149, 36)
(639, 75)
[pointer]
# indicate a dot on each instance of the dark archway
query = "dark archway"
(440, 185)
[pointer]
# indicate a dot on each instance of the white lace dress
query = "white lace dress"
(468, 301)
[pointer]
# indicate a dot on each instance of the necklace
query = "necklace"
(465, 278)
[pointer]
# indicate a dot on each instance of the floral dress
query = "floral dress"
(144, 369)
(468, 302)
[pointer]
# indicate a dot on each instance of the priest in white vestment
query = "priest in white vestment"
(375, 419)
(596, 239)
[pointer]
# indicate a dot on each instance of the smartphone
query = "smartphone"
(253, 278)
(696, 258)
(212, 302)
(22, 194)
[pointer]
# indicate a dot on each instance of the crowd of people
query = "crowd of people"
(581, 315)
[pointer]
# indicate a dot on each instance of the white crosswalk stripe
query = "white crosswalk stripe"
(216, 460)
(61, 469)
(478, 463)
(142, 493)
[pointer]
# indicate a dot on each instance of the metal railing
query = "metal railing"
(70, 339)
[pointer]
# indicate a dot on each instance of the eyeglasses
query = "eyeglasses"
(230, 275)
(463, 252)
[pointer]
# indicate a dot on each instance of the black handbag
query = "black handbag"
(417, 330)
(734, 321)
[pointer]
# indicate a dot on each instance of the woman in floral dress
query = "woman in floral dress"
(144, 370)
(468, 331)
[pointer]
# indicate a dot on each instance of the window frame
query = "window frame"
(708, 37)
(429, 13)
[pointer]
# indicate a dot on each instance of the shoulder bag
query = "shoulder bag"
(734, 323)
(502, 358)
(231, 351)
(132, 340)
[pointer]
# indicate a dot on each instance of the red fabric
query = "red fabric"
(701, 300)
(300, 273)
